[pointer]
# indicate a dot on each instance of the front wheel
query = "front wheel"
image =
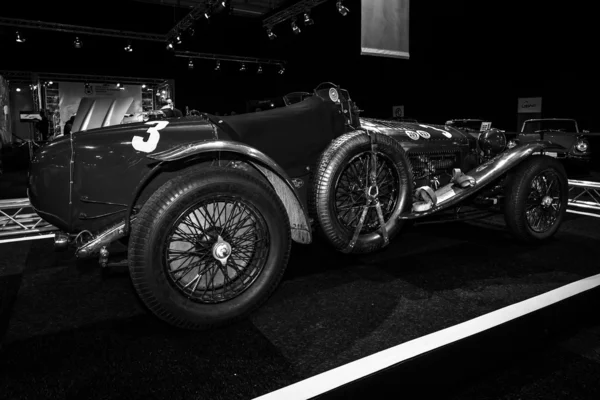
(536, 199)
(209, 247)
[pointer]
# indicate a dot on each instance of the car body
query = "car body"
(230, 194)
(574, 146)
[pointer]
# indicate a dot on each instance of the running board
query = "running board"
(452, 194)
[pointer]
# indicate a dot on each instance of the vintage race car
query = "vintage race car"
(209, 205)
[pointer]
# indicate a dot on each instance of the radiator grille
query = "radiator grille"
(425, 165)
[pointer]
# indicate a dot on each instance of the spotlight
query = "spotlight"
(170, 45)
(272, 105)
(295, 27)
(18, 89)
(192, 31)
(243, 68)
(206, 15)
(20, 39)
(77, 43)
(281, 70)
(270, 33)
(307, 19)
(158, 93)
(341, 9)
(260, 70)
(50, 83)
(143, 86)
(128, 48)
(218, 66)
(118, 85)
(191, 64)
(178, 39)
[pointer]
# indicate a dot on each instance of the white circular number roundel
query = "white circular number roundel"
(412, 134)
(424, 135)
(149, 145)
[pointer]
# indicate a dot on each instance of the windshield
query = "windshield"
(549, 126)
(469, 124)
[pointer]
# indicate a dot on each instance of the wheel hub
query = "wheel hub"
(221, 251)
(547, 201)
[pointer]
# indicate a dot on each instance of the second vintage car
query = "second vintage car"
(209, 205)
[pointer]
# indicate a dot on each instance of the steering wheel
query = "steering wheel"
(331, 84)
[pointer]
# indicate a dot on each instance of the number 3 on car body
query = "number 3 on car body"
(149, 145)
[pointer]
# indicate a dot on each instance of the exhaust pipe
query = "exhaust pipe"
(102, 240)
(61, 241)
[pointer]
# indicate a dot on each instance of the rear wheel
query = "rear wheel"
(209, 247)
(536, 199)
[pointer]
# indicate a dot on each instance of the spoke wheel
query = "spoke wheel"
(543, 202)
(209, 247)
(352, 192)
(536, 198)
(216, 249)
(362, 183)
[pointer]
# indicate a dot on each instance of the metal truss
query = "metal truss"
(292, 11)
(33, 77)
(18, 222)
(584, 198)
(82, 30)
(224, 57)
(188, 21)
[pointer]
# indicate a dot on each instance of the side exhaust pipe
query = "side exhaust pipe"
(102, 240)
(61, 241)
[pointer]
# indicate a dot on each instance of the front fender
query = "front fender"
(451, 194)
(280, 181)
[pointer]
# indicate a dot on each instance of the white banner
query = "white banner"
(384, 27)
(398, 111)
(527, 105)
(70, 94)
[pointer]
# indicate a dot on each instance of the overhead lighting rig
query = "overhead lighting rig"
(201, 10)
(300, 8)
(243, 61)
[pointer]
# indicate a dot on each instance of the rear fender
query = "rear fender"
(281, 183)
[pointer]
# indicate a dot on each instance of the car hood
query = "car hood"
(411, 134)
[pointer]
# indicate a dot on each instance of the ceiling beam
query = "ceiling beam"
(225, 57)
(291, 11)
(82, 30)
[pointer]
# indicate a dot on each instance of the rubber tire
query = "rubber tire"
(329, 167)
(162, 210)
(517, 189)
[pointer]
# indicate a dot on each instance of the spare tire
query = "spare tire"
(342, 191)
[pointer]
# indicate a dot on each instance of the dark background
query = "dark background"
(468, 59)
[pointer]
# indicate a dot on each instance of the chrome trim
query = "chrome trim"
(99, 241)
(483, 174)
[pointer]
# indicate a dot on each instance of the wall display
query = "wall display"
(71, 93)
(384, 28)
(529, 105)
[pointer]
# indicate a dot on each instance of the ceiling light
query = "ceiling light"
(243, 68)
(260, 70)
(18, 89)
(143, 86)
(20, 39)
(77, 43)
(170, 45)
(191, 64)
(270, 33)
(128, 48)
(341, 9)
(206, 15)
(307, 19)
(191, 31)
(295, 27)
(118, 85)
(281, 70)
(178, 39)
(218, 66)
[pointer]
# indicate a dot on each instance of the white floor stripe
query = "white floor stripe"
(347, 373)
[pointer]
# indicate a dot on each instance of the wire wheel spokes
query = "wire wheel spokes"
(352, 191)
(216, 249)
(544, 201)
